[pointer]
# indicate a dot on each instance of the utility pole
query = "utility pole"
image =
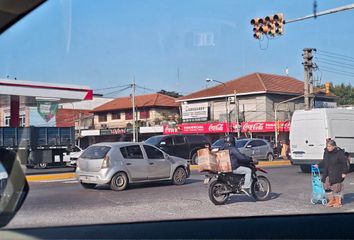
(308, 81)
(237, 115)
(79, 138)
(134, 118)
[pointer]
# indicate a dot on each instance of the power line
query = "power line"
(98, 89)
(335, 64)
(336, 54)
(117, 91)
(339, 70)
(336, 58)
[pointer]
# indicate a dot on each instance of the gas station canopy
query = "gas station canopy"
(31, 92)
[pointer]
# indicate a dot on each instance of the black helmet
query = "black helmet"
(230, 140)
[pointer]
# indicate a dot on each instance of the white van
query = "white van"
(310, 128)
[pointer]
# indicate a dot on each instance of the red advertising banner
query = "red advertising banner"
(222, 128)
(264, 126)
(197, 128)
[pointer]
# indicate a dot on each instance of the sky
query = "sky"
(171, 45)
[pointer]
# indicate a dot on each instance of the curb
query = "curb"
(50, 177)
(261, 164)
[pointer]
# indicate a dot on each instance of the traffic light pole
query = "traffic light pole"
(326, 12)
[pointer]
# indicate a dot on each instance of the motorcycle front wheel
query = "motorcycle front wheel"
(261, 188)
(216, 195)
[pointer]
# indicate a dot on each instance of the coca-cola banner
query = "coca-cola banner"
(222, 127)
(197, 128)
(264, 126)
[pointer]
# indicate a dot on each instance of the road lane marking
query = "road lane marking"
(49, 177)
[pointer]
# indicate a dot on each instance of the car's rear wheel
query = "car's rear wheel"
(88, 185)
(119, 182)
(179, 176)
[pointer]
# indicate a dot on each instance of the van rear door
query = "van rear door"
(307, 137)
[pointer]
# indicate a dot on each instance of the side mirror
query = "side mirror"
(163, 144)
(13, 186)
(249, 146)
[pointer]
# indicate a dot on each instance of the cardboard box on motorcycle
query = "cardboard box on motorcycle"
(214, 162)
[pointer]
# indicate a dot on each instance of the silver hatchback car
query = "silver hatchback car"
(121, 163)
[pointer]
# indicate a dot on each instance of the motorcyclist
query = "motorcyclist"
(239, 162)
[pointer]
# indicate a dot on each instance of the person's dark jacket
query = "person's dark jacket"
(237, 158)
(334, 164)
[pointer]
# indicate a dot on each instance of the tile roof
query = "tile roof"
(252, 83)
(149, 100)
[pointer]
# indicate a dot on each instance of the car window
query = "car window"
(153, 153)
(218, 143)
(179, 140)
(95, 152)
(132, 152)
(154, 140)
(261, 143)
(252, 143)
(168, 141)
(241, 143)
(196, 139)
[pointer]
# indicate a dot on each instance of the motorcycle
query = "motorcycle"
(222, 184)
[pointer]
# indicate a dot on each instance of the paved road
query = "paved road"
(67, 203)
(49, 170)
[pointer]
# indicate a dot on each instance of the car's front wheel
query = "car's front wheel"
(179, 176)
(119, 182)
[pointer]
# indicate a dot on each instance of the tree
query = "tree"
(344, 92)
(170, 93)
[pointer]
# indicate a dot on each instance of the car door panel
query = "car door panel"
(135, 163)
(180, 147)
(159, 167)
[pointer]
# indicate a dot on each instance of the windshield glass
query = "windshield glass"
(95, 152)
(95, 74)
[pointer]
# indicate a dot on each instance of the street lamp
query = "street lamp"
(208, 80)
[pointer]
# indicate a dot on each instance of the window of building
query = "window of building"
(22, 121)
(115, 115)
(144, 114)
(102, 117)
(128, 115)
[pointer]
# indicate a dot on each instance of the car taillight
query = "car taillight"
(105, 162)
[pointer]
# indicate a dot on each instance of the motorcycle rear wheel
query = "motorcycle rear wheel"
(261, 189)
(215, 197)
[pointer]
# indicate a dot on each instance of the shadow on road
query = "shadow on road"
(150, 185)
(348, 198)
(244, 198)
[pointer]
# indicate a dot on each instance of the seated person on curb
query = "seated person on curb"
(239, 162)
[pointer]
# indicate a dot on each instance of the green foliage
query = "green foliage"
(345, 92)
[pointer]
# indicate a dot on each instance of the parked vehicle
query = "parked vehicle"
(3, 179)
(183, 146)
(259, 149)
(122, 163)
(221, 185)
(71, 158)
(38, 146)
(310, 129)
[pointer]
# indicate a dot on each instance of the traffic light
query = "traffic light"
(269, 26)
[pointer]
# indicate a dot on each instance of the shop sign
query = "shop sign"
(264, 126)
